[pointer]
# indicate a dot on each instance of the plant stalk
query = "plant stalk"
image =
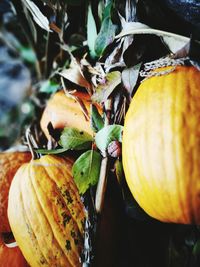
(101, 187)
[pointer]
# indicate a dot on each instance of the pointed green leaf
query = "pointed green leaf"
(97, 121)
(86, 170)
(91, 32)
(72, 138)
(108, 134)
(196, 248)
(105, 36)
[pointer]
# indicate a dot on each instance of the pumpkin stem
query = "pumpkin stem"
(32, 144)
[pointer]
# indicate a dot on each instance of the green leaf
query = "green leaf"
(91, 32)
(86, 170)
(104, 90)
(72, 138)
(105, 36)
(196, 249)
(49, 87)
(119, 171)
(97, 121)
(27, 54)
(108, 134)
(51, 151)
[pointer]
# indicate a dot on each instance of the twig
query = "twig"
(101, 187)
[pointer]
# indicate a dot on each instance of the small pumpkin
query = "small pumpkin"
(63, 110)
(9, 164)
(46, 213)
(161, 146)
(11, 256)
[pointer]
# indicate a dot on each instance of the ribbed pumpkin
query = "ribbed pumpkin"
(11, 256)
(46, 214)
(62, 110)
(9, 164)
(161, 146)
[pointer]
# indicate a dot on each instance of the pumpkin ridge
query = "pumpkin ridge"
(9, 163)
(145, 139)
(178, 94)
(69, 192)
(186, 143)
(167, 108)
(60, 232)
(174, 149)
(148, 145)
(27, 227)
(29, 187)
(26, 211)
(192, 152)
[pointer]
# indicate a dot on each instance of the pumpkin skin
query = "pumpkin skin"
(9, 164)
(46, 214)
(11, 257)
(63, 111)
(161, 146)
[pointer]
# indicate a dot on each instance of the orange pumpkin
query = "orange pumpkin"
(9, 163)
(46, 213)
(62, 110)
(11, 256)
(161, 146)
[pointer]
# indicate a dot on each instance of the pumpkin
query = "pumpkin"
(161, 146)
(62, 110)
(9, 163)
(46, 213)
(11, 256)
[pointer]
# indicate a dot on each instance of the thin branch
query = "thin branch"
(102, 183)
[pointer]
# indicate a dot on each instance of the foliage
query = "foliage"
(103, 52)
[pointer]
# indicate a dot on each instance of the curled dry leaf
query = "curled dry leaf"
(173, 41)
(104, 89)
(38, 17)
(130, 77)
(74, 74)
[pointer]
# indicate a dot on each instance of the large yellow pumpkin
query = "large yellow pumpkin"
(62, 111)
(161, 146)
(46, 214)
(9, 164)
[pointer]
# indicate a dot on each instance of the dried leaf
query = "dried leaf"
(172, 40)
(31, 24)
(104, 90)
(74, 74)
(55, 28)
(39, 18)
(130, 77)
